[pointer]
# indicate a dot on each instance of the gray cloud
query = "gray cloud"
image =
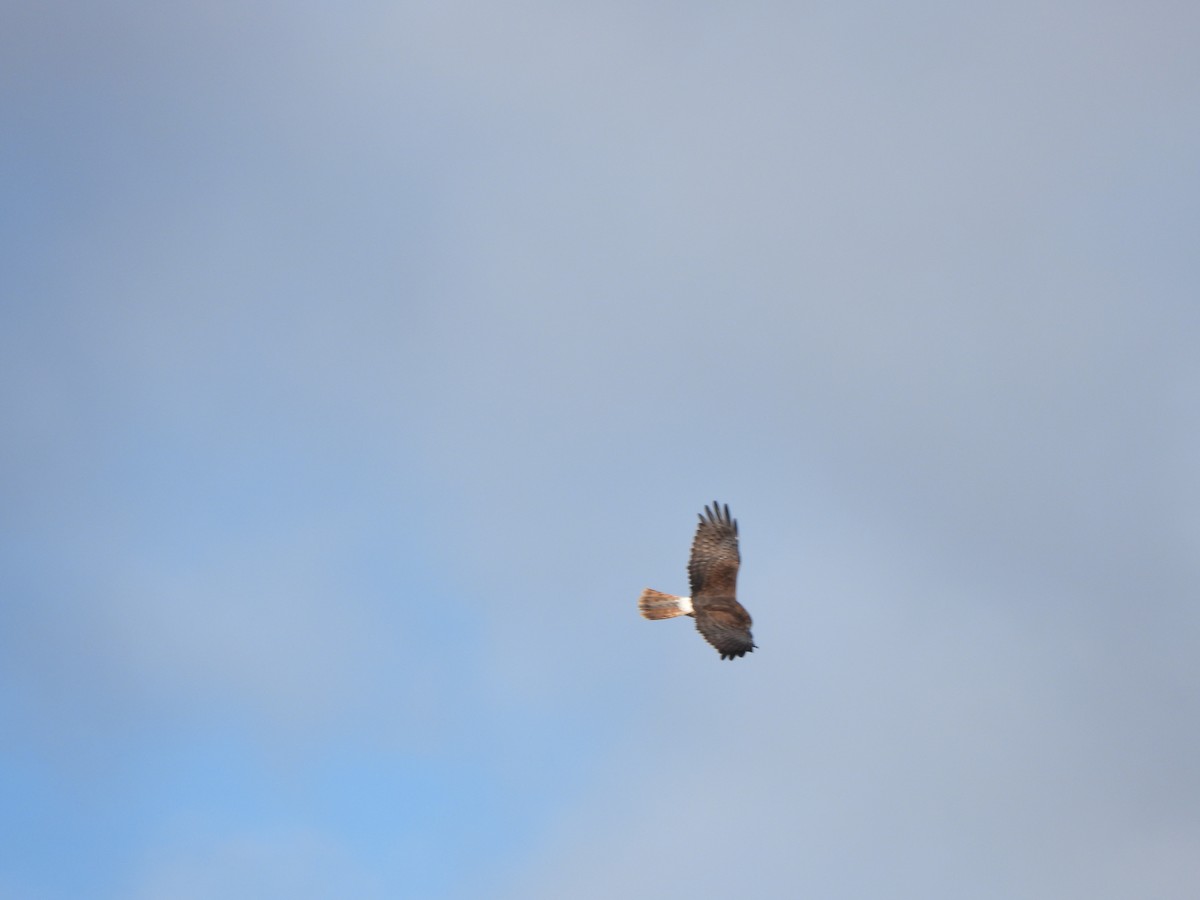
(374, 364)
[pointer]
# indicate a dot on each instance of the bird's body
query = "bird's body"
(712, 571)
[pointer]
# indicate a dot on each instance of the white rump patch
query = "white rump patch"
(685, 605)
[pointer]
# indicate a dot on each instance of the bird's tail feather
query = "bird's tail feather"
(657, 605)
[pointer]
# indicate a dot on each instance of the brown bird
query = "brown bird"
(712, 572)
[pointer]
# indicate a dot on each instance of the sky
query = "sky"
(360, 363)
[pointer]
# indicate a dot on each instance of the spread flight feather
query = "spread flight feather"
(712, 572)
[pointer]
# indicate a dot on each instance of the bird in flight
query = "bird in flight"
(712, 571)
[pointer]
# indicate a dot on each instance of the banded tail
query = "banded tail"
(657, 605)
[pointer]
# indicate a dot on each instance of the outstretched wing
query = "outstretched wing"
(726, 625)
(712, 570)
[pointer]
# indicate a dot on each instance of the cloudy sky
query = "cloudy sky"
(361, 362)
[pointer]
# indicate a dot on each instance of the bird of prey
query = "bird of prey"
(712, 571)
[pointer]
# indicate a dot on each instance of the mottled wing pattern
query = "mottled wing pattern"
(726, 625)
(712, 570)
(715, 559)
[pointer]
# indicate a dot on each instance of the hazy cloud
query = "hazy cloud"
(365, 363)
